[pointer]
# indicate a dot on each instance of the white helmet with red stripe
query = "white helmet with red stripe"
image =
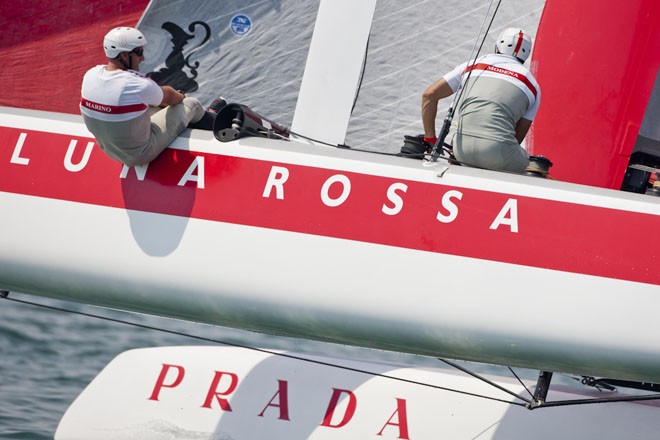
(122, 39)
(514, 41)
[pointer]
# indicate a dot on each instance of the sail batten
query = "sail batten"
(332, 71)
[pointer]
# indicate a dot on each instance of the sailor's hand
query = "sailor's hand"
(171, 96)
(430, 142)
(183, 95)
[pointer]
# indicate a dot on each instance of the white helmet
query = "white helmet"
(122, 39)
(514, 41)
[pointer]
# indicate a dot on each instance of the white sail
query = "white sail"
(409, 47)
(255, 53)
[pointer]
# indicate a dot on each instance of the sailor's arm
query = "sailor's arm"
(434, 93)
(522, 127)
(171, 96)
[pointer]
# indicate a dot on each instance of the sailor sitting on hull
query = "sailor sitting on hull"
(497, 104)
(120, 106)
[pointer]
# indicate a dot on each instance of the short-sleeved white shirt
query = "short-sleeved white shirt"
(117, 96)
(500, 67)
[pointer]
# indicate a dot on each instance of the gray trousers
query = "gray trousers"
(167, 124)
(490, 154)
(141, 140)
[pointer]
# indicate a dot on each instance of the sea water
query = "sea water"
(47, 357)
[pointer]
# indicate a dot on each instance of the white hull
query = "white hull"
(218, 393)
(357, 276)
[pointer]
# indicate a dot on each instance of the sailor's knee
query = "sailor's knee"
(194, 107)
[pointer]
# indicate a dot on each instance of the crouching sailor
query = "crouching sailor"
(499, 101)
(116, 101)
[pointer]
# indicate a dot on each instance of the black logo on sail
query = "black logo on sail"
(173, 74)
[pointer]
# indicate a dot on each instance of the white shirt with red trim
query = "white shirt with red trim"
(119, 95)
(501, 67)
(498, 91)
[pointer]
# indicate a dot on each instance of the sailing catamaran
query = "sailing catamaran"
(287, 231)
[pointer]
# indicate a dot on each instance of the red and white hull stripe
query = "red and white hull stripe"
(260, 234)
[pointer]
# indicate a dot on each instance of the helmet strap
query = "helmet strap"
(123, 63)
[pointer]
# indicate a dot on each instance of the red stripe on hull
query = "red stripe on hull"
(551, 234)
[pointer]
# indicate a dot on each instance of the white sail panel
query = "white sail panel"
(410, 46)
(251, 53)
(333, 69)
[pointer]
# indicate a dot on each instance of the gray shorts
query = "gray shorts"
(490, 154)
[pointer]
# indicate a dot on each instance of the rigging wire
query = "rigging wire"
(382, 153)
(521, 382)
(439, 146)
(5, 295)
(483, 379)
(450, 160)
(364, 67)
(457, 96)
(574, 402)
(529, 404)
(473, 56)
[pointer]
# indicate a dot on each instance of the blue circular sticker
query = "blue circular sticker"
(240, 24)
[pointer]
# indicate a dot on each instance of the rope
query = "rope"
(457, 96)
(529, 404)
(5, 295)
(521, 382)
(483, 379)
